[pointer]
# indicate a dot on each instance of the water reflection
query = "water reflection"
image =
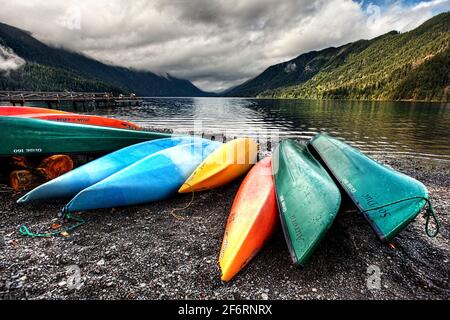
(389, 128)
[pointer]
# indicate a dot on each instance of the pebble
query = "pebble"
(101, 262)
(166, 271)
(62, 283)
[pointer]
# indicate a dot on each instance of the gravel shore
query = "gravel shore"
(145, 253)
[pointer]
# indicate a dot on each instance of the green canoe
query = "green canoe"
(388, 199)
(22, 136)
(308, 199)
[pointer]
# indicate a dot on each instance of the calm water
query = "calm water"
(391, 129)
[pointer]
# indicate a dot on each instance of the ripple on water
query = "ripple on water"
(390, 129)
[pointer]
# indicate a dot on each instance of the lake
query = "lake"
(390, 129)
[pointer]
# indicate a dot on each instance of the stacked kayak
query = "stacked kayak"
(307, 197)
(224, 165)
(83, 119)
(15, 111)
(152, 178)
(71, 183)
(298, 185)
(388, 199)
(251, 222)
(63, 116)
(22, 136)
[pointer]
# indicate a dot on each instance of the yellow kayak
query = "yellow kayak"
(224, 165)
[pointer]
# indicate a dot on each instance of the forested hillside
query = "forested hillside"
(410, 66)
(56, 69)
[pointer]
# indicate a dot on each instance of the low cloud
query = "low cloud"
(214, 43)
(9, 61)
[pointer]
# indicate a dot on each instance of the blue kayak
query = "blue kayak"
(71, 183)
(153, 178)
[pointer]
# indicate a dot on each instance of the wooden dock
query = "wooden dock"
(74, 99)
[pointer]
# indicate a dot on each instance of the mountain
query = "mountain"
(396, 66)
(45, 68)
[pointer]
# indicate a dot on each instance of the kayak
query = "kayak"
(251, 222)
(84, 119)
(153, 178)
(14, 111)
(388, 199)
(71, 183)
(23, 136)
(224, 165)
(308, 198)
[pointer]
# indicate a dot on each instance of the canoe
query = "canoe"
(308, 198)
(71, 183)
(22, 136)
(84, 119)
(224, 165)
(153, 178)
(252, 220)
(14, 111)
(372, 187)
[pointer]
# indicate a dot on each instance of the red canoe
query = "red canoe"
(15, 111)
(84, 119)
(253, 218)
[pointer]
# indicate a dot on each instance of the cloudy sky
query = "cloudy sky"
(214, 43)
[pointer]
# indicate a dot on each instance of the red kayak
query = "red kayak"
(15, 111)
(84, 119)
(252, 220)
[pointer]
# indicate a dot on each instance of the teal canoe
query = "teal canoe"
(22, 136)
(388, 199)
(308, 199)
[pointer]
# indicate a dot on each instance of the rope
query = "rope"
(178, 217)
(25, 231)
(429, 213)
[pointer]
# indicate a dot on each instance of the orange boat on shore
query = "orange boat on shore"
(252, 221)
(63, 116)
(85, 119)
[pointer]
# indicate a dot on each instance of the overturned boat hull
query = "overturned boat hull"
(153, 178)
(252, 220)
(308, 199)
(22, 136)
(388, 199)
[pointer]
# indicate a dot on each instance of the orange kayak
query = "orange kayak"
(84, 119)
(15, 111)
(253, 219)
